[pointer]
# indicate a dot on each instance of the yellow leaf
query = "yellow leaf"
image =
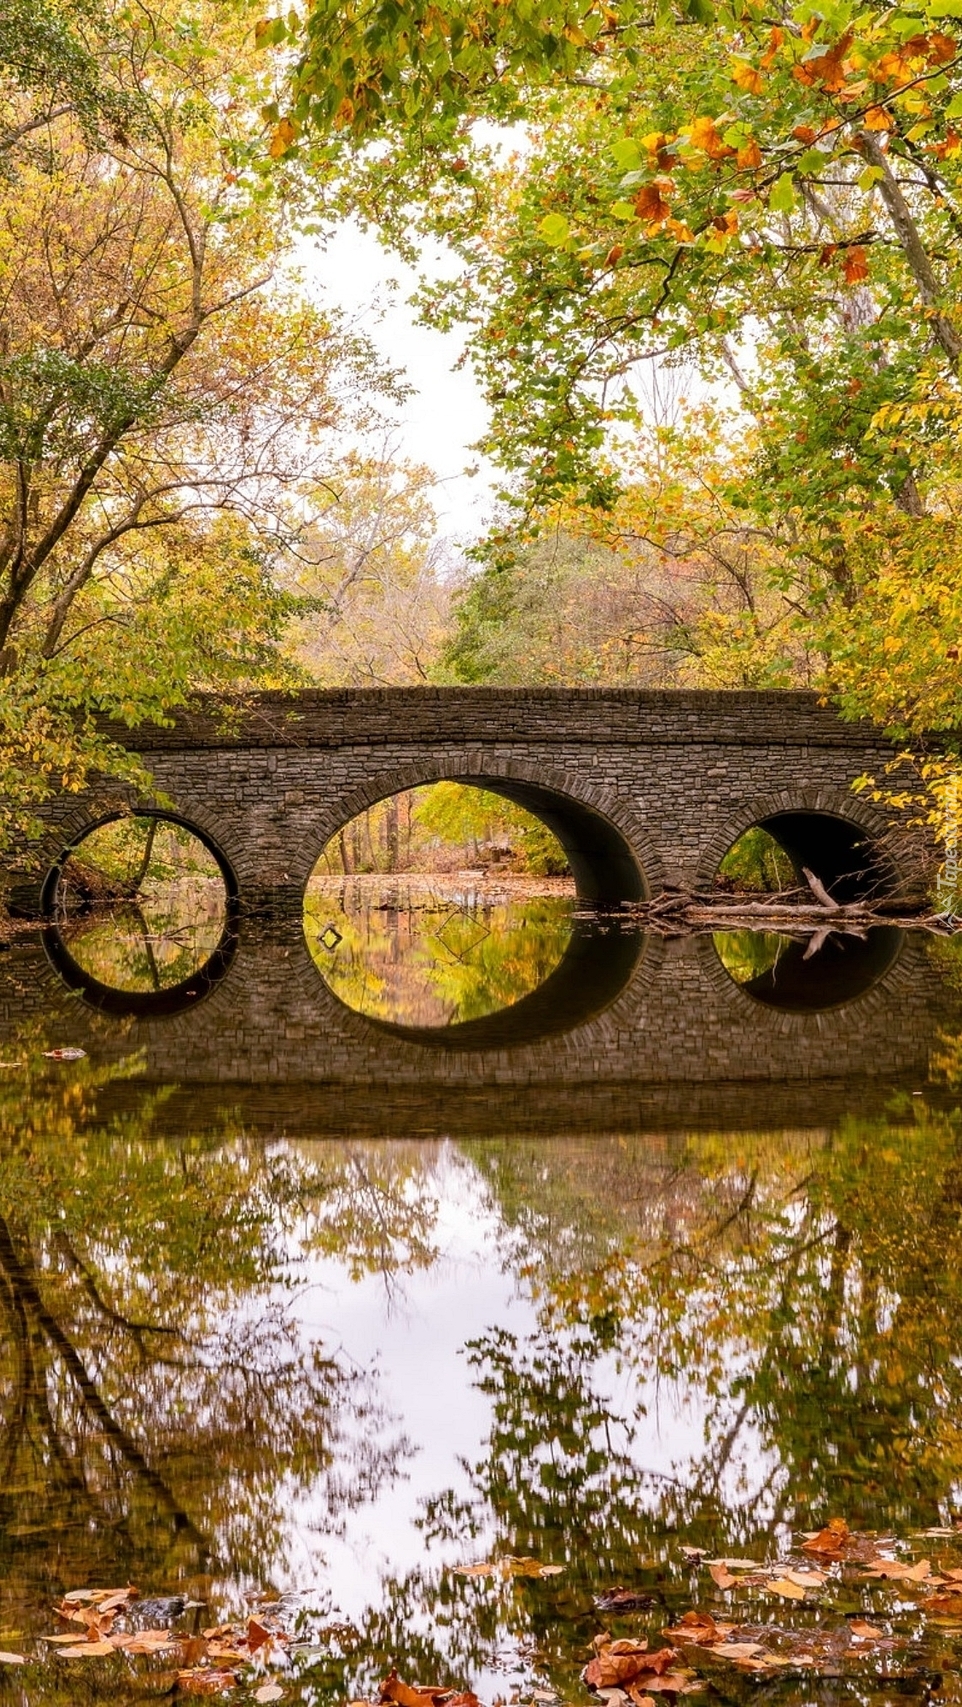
(281, 140)
(747, 77)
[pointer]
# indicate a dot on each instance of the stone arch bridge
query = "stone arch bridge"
(643, 789)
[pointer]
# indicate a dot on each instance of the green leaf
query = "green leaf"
(622, 210)
(870, 176)
(626, 154)
(554, 228)
(944, 8)
(781, 197)
(812, 160)
(954, 108)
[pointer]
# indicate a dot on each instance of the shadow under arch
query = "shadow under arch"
(843, 855)
(136, 1004)
(845, 968)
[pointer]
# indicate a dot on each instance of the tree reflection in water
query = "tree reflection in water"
(432, 954)
(718, 1339)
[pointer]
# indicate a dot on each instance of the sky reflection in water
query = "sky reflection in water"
(339, 1370)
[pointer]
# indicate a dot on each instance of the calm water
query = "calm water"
(276, 1368)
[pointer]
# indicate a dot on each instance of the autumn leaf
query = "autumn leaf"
(788, 1590)
(282, 138)
(830, 1540)
(144, 1641)
(747, 76)
(11, 1659)
(703, 134)
(898, 1572)
(651, 205)
(88, 1650)
(878, 119)
(721, 1575)
(749, 156)
(269, 1692)
(699, 1627)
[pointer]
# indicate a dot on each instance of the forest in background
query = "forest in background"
(707, 266)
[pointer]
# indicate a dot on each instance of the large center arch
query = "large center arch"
(611, 857)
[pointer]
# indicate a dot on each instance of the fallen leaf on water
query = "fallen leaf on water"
(258, 1634)
(859, 1628)
(788, 1590)
(424, 1695)
(87, 1650)
(144, 1641)
(107, 1599)
(738, 1651)
(899, 1572)
(721, 1575)
(670, 1683)
(205, 1682)
(65, 1054)
(948, 1604)
(737, 1564)
(698, 1627)
(509, 1567)
(804, 1579)
(269, 1692)
(626, 1662)
(11, 1659)
(830, 1540)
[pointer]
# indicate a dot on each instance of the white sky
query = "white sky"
(446, 414)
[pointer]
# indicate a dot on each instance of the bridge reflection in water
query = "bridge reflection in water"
(627, 1027)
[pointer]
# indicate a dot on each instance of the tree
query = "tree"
(164, 388)
(372, 577)
(774, 192)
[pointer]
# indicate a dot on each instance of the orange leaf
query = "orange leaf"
(650, 204)
(699, 1627)
(703, 134)
(749, 156)
(833, 1537)
(87, 1651)
(747, 77)
(878, 119)
(942, 47)
(722, 1576)
(855, 265)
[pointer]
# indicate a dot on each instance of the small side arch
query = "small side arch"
(838, 836)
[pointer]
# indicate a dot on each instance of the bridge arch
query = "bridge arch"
(833, 832)
(609, 850)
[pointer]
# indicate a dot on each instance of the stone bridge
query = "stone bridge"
(643, 789)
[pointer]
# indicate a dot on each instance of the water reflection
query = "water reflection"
(337, 1371)
(141, 918)
(428, 954)
(810, 974)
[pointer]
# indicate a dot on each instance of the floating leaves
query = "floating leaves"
(507, 1567)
